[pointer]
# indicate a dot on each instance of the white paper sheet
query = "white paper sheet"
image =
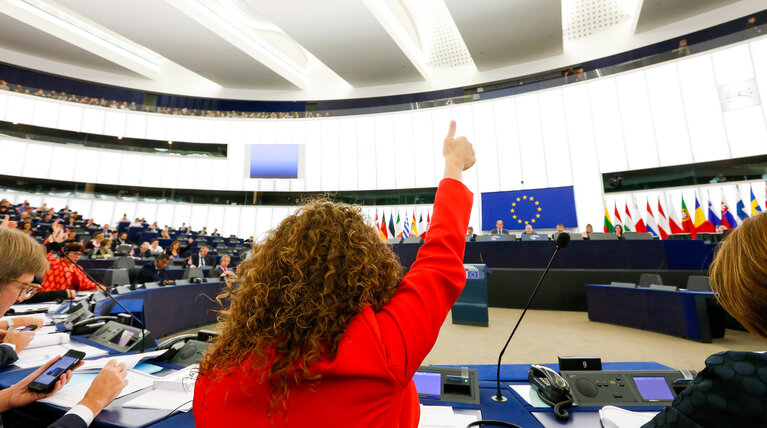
(162, 400)
(48, 329)
(72, 393)
(615, 417)
(38, 356)
(129, 360)
(445, 421)
(527, 393)
(42, 340)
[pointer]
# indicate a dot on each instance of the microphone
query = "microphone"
(562, 240)
(144, 331)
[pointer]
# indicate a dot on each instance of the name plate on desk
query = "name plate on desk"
(475, 271)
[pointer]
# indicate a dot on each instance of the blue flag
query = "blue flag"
(741, 210)
(540, 208)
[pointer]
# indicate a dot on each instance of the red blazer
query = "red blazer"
(370, 381)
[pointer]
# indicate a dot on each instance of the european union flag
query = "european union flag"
(541, 208)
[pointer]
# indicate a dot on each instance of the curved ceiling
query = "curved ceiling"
(333, 49)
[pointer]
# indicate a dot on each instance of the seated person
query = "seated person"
(155, 248)
(154, 272)
(103, 251)
(23, 259)
(470, 233)
(528, 230)
(216, 234)
(721, 228)
(122, 239)
(14, 342)
(560, 229)
(164, 234)
(322, 329)
(135, 223)
(143, 251)
(589, 229)
(203, 232)
(730, 391)
(63, 275)
(72, 237)
(95, 242)
(176, 251)
(619, 231)
(499, 230)
(202, 258)
(222, 270)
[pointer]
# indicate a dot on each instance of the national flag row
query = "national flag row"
(660, 224)
(403, 227)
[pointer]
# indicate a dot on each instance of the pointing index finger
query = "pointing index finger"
(451, 131)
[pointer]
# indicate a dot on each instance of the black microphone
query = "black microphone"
(144, 331)
(562, 240)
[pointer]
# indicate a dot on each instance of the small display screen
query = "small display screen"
(274, 160)
(57, 368)
(428, 383)
(124, 338)
(653, 388)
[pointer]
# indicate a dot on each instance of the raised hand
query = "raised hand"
(458, 153)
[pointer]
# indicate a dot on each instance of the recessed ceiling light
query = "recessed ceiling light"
(170, 142)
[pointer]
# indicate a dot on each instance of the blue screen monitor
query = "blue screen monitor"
(275, 160)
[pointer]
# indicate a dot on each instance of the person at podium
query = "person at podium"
(321, 330)
(499, 230)
(470, 234)
(732, 390)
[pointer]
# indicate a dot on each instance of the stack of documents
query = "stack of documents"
(36, 357)
(172, 392)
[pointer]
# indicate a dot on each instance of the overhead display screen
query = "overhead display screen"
(275, 160)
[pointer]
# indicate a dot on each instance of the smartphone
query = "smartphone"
(46, 381)
(28, 328)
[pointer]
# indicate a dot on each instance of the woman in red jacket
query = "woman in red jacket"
(321, 331)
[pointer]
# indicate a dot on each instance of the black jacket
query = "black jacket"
(150, 273)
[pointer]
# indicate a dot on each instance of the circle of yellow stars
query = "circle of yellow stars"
(531, 199)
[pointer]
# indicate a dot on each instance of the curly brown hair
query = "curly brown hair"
(297, 294)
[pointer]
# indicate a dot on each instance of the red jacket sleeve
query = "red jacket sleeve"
(410, 321)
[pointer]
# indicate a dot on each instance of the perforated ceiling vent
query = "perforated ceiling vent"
(442, 44)
(582, 18)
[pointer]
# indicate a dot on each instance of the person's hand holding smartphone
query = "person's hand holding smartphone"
(47, 380)
(19, 339)
(19, 394)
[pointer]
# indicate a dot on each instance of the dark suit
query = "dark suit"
(217, 271)
(495, 232)
(473, 236)
(210, 260)
(150, 273)
(7, 356)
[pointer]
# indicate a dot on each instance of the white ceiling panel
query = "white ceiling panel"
(345, 36)
(164, 29)
(656, 13)
(503, 32)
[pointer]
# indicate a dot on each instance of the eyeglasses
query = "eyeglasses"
(29, 290)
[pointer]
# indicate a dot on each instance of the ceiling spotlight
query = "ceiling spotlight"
(15, 123)
(170, 142)
(119, 137)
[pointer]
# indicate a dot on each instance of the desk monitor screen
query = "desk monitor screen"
(428, 383)
(653, 388)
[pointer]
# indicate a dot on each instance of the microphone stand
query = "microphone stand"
(560, 244)
(106, 291)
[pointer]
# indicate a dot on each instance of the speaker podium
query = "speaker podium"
(471, 306)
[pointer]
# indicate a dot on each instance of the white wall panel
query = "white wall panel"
(386, 158)
(485, 147)
(93, 120)
(130, 168)
(423, 149)
(46, 113)
(101, 210)
(191, 131)
(279, 214)
(208, 131)
(155, 127)
(174, 127)
(587, 180)
(534, 171)
(330, 155)
(347, 151)
(70, 117)
(611, 148)
(732, 64)
(263, 223)
(264, 130)
(198, 217)
(253, 131)
(110, 164)
(164, 215)
(464, 118)
(238, 157)
(151, 170)
(3, 105)
(247, 223)
(145, 210)
(404, 149)
(220, 174)
(114, 123)
(87, 166)
(507, 144)
(14, 153)
(440, 122)
(63, 158)
(701, 104)
(668, 116)
(200, 172)
(638, 132)
(298, 136)
(313, 153)
(555, 141)
(170, 175)
(37, 163)
(135, 125)
(282, 132)
(181, 214)
(19, 109)
(746, 132)
(759, 58)
(366, 155)
(216, 218)
(121, 208)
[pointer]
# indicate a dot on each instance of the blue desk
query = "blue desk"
(170, 309)
(170, 273)
(690, 314)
